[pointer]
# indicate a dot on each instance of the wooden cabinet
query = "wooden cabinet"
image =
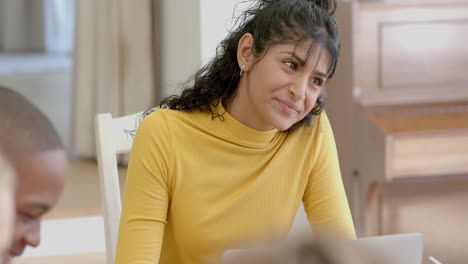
(406, 52)
(400, 143)
(398, 103)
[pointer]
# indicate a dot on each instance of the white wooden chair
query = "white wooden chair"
(113, 136)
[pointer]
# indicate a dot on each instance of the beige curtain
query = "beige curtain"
(114, 64)
(22, 26)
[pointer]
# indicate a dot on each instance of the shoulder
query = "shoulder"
(155, 118)
(161, 117)
(153, 124)
(319, 125)
(323, 123)
(317, 136)
(169, 120)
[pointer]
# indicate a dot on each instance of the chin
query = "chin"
(282, 126)
(284, 123)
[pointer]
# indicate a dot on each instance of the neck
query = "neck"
(240, 107)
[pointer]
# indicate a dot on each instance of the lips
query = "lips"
(289, 105)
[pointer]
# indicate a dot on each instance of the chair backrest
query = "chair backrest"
(113, 136)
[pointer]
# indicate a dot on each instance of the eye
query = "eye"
(318, 81)
(291, 64)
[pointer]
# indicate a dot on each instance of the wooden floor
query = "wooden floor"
(81, 194)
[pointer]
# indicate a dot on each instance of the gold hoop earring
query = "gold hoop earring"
(242, 69)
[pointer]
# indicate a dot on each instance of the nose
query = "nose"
(298, 88)
(32, 236)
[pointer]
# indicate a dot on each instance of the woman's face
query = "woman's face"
(279, 87)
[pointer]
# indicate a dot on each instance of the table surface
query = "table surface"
(89, 258)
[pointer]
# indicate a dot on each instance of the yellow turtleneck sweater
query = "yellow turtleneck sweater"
(198, 186)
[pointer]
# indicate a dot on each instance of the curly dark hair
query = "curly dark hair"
(270, 22)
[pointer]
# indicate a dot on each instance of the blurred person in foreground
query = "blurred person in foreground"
(31, 144)
(6, 207)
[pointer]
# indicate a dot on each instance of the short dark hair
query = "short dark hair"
(270, 22)
(24, 130)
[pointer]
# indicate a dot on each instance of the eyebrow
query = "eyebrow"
(321, 74)
(296, 57)
(302, 62)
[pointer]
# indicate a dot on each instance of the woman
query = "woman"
(230, 159)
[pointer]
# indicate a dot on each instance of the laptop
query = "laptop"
(388, 249)
(394, 249)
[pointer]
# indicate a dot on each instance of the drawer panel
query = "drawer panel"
(410, 51)
(427, 153)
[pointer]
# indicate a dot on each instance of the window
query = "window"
(39, 26)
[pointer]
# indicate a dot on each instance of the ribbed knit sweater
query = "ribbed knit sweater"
(200, 184)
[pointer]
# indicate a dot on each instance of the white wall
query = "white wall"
(45, 80)
(179, 27)
(190, 31)
(216, 20)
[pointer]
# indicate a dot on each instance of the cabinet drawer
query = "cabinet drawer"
(410, 51)
(427, 154)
